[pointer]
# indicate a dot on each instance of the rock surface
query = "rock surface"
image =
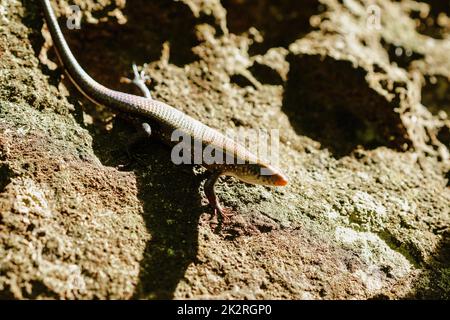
(362, 108)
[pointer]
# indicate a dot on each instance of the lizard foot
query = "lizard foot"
(224, 214)
(140, 79)
(221, 218)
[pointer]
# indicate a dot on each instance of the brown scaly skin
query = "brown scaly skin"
(165, 119)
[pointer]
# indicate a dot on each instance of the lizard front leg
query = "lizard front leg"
(212, 197)
(139, 81)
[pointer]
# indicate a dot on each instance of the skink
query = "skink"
(245, 166)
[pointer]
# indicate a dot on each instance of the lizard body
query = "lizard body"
(165, 119)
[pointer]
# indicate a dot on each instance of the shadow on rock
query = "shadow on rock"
(280, 23)
(434, 282)
(331, 102)
(171, 207)
(108, 49)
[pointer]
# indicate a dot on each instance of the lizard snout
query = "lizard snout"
(280, 180)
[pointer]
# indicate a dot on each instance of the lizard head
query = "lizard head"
(257, 173)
